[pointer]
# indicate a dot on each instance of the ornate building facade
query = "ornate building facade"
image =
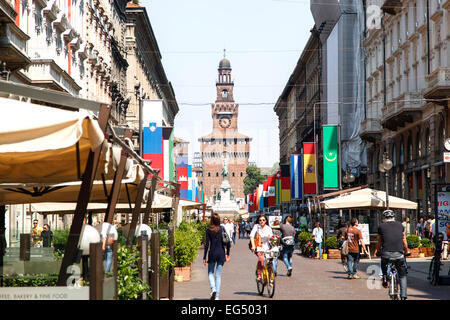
(224, 143)
(407, 98)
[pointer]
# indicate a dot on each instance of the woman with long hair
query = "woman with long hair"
(216, 255)
(259, 238)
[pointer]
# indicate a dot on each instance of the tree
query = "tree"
(253, 179)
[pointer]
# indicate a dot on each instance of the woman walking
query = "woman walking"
(287, 240)
(317, 235)
(216, 254)
(259, 238)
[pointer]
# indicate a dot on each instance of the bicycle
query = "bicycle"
(268, 276)
(394, 281)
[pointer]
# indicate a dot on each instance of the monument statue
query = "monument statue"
(225, 169)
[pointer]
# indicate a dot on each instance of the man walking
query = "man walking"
(354, 240)
(391, 240)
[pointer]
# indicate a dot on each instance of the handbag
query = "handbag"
(225, 238)
(287, 241)
(344, 249)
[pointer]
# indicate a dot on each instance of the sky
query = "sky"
(263, 40)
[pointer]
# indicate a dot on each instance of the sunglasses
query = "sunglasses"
(262, 219)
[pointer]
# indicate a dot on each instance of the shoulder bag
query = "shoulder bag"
(225, 237)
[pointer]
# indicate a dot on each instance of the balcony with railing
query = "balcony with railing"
(13, 44)
(438, 84)
(370, 129)
(7, 12)
(392, 6)
(402, 110)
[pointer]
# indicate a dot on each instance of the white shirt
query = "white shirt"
(228, 228)
(265, 234)
(318, 233)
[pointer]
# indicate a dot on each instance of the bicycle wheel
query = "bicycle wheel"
(260, 285)
(432, 272)
(271, 282)
(392, 289)
(396, 287)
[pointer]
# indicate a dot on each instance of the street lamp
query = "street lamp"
(384, 167)
(348, 178)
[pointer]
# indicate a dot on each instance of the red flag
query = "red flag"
(271, 190)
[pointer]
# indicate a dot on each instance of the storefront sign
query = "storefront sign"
(446, 156)
(44, 293)
(443, 212)
(364, 228)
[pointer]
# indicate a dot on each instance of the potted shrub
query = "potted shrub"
(60, 239)
(304, 242)
(332, 248)
(185, 251)
(413, 242)
(428, 246)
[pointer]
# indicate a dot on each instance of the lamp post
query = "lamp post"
(384, 167)
(348, 179)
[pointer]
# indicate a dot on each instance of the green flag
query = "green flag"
(330, 138)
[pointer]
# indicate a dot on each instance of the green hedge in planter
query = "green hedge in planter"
(413, 241)
(30, 280)
(427, 243)
(303, 238)
(60, 238)
(186, 247)
(331, 243)
(129, 285)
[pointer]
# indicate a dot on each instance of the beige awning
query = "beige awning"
(46, 145)
(159, 202)
(367, 199)
(68, 191)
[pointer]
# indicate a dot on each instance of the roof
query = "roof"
(224, 64)
(133, 5)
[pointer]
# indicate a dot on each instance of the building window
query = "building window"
(242, 174)
(233, 174)
(209, 174)
(217, 174)
(402, 153)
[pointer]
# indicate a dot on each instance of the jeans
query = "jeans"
(287, 256)
(315, 244)
(214, 280)
(108, 258)
(234, 237)
(274, 264)
(400, 265)
(353, 260)
(241, 234)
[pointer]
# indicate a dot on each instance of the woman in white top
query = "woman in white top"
(262, 232)
(317, 235)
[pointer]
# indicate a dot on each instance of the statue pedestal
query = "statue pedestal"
(225, 206)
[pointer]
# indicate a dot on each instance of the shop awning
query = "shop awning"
(159, 202)
(46, 145)
(367, 199)
(68, 191)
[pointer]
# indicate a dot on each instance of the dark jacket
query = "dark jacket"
(47, 237)
(215, 246)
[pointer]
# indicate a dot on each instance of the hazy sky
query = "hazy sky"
(263, 41)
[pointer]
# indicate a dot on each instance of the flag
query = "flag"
(190, 183)
(330, 138)
(309, 168)
(271, 191)
(167, 135)
(152, 146)
(285, 183)
(296, 176)
(265, 193)
(278, 188)
(260, 198)
(255, 200)
(251, 206)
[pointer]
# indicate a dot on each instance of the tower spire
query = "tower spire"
(224, 52)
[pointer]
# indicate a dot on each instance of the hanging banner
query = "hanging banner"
(330, 138)
(443, 213)
(296, 177)
(309, 168)
(285, 183)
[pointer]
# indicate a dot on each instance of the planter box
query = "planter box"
(334, 254)
(164, 286)
(423, 250)
(185, 272)
(414, 253)
(430, 252)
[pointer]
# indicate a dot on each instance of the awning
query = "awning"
(366, 199)
(45, 144)
(68, 191)
(159, 202)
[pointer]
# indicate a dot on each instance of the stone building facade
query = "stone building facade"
(408, 63)
(224, 143)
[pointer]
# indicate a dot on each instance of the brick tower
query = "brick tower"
(224, 140)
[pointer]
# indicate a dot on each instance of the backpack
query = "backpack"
(427, 226)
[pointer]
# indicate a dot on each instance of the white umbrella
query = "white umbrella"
(143, 228)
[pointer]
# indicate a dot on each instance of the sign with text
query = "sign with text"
(364, 228)
(44, 293)
(443, 212)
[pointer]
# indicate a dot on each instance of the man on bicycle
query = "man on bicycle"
(391, 242)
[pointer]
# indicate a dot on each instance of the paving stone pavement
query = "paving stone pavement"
(311, 280)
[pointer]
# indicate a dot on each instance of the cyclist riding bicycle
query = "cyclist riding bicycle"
(259, 238)
(391, 242)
